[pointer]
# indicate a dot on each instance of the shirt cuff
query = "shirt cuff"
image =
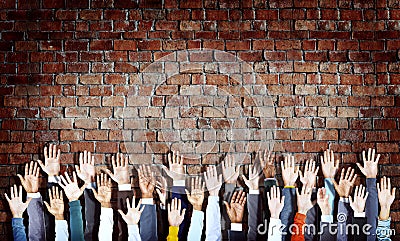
(236, 227)
(147, 201)
(124, 187)
(270, 179)
(344, 199)
(326, 218)
(254, 191)
(179, 183)
(34, 195)
(53, 179)
(359, 215)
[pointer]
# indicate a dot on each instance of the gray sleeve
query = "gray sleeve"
(253, 220)
(37, 229)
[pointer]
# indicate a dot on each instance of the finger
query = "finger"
(377, 158)
(122, 213)
(46, 156)
(41, 164)
(363, 156)
(21, 179)
(47, 206)
(54, 151)
(113, 163)
(260, 156)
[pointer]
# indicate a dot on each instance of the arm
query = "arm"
(360, 222)
(213, 214)
(326, 217)
(56, 208)
(196, 198)
(299, 221)
(76, 225)
(173, 233)
(175, 218)
(386, 196)
(196, 226)
(18, 229)
(132, 218)
(383, 231)
(303, 205)
(235, 212)
(358, 206)
(330, 191)
(230, 173)
(103, 195)
(133, 233)
(275, 204)
(61, 230)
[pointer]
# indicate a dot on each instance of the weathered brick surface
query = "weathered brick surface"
(134, 77)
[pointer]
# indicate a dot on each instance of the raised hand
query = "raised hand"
(86, 170)
(146, 181)
(328, 164)
(235, 209)
(103, 193)
(229, 170)
(196, 197)
(162, 190)
(386, 196)
(304, 200)
(51, 164)
(267, 161)
(346, 182)
(56, 207)
(254, 176)
(213, 180)
(323, 201)
(30, 181)
(17, 207)
(290, 172)
(176, 169)
(120, 172)
(175, 217)
(309, 177)
(360, 197)
(71, 189)
(370, 168)
(132, 217)
(275, 202)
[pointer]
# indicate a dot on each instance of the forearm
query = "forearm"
(274, 233)
(344, 212)
(76, 223)
(106, 224)
(213, 219)
(196, 226)
(287, 213)
(371, 207)
(330, 191)
(148, 220)
(253, 220)
(383, 230)
(18, 229)
(35, 211)
(62, 230)
(229, 188)
(297, 231)
(124, 192)
(178, 191)
(327, 234)
(133, 233)
(92, 211)
(173, 233)
(360, 222)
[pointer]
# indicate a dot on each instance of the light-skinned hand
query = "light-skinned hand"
(304, 200)
(147, 181)
(254, 175)
(175, 216)
(346, 182)
(162, 190)
(235, 209)
(386, 196)
(328, 165)
(323, 201)
(309, 178)
(275, 202)
(120, 167)
(370, 168)
(267, 160)
(71, 189)
(103, 193)
(290, 172)
(213, 180)
(17, 206)
(132, 217)
(176, 168)
(30, 181)
(56, 206)
(360, 198)
(196, 196)
(230, 171)
(86, 170)
(51, 164)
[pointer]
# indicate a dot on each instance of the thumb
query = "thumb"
(28, 201)
(361, 168)
(227, 205)
(47, 205)
(21, 178)
(41, 164)
(335, 184)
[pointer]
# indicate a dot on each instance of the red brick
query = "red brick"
(314, 146)
(387, 147)
(61, 123)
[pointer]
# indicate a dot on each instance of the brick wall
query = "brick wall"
(204, 77)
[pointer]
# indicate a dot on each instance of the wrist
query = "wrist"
(213, 193)
(105, 204)
(197, 207)
(59, 217)
(17, 215)
(303, 211)
(147, 195)
(275, 215)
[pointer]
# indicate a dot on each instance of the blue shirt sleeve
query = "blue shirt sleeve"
(18, 229)
(383, 230)
(371, 207)
(76, 224)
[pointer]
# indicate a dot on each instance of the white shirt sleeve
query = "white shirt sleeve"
(196, 226)
(274, 230)
(62, 230)
(213, 219)
(106, 224)
(133, 233)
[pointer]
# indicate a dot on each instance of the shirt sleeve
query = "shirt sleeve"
(36, 228)
(325, 231)
(196, 226)
(383, 230)
(229, 189)
(287, 213)
(359, 222)
(274, 233)
(106, 224)
(213, 219)
(75, 211)
(92, 213)
(297, 231)
(371, 207)
(18, 229)
(124, 192)
(133, 233)
(148, 222)
(173, 233)
(344, 212)
(62, 230)
(178, 191)
(253, 220)
(330, 190)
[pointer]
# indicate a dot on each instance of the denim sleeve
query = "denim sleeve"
(213, 219)
(371, 207)
(75, 222)
(92, 214)
(344, 212)
(148, 223)
(287, 214)
(196, 226)
(179, 193)
(253, 220)
(36, 231)
(18, 229)
(330, 190)
(311, 221)
(383, 231)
